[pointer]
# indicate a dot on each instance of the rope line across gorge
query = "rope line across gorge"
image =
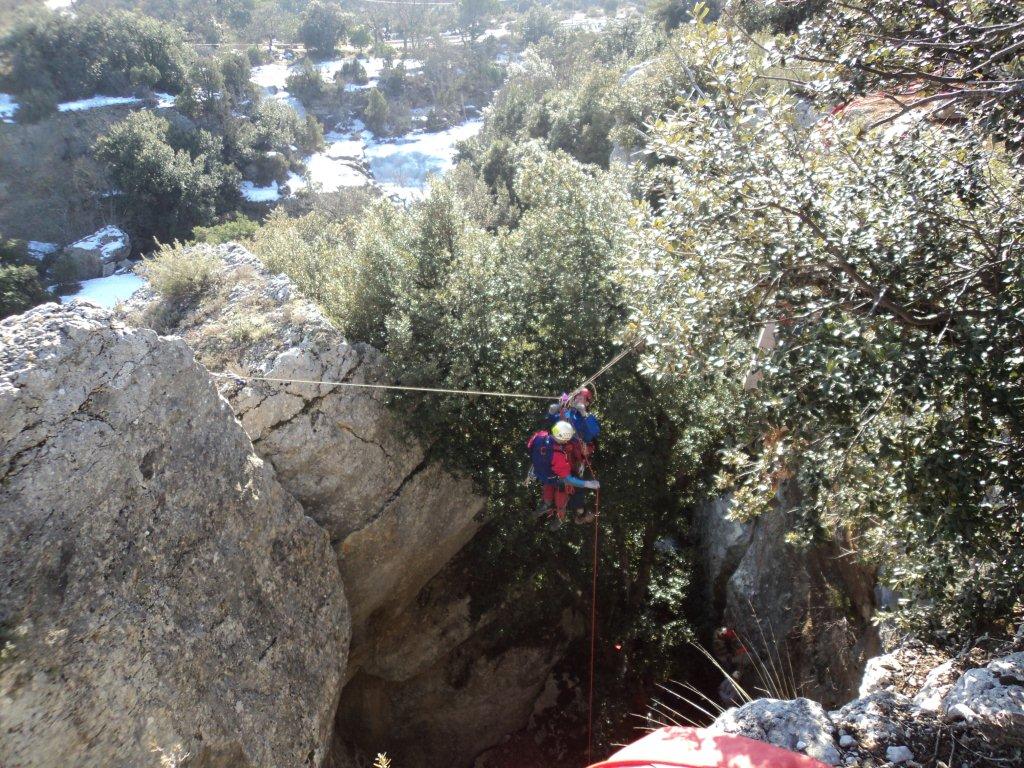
(429, 390)
(358, 384)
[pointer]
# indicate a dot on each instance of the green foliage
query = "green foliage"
(577, 118)
(669, 14)
(168, 191)
(237, 230)
(885, 261)
(772, 16)
(354, 72)
(20, 289)
(473, 15)
(203, 99)
(66, 273)
(236, 70)
(322, 27)
(537, 23)
(360, 37)
(76, 56)
(963, 57)
(13, 251)
(392, 81)
(180, 275)
(376, 114)
(204, 20)
(277, 128)
(37, 104)
(529, 309)
(307, 84)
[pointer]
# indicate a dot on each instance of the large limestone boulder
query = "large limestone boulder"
(394, 516)
(160, 594)
(100, 254)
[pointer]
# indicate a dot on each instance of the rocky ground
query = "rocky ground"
(917, 707)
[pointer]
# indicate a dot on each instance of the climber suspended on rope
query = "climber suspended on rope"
(561, 457)
(574, 409)
(551, 455)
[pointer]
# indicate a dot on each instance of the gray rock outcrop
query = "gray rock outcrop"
(909, 708)
(100, 254)
(805, 611)
(799, 725)
(161, 595)
(422, 681)
(991, 699)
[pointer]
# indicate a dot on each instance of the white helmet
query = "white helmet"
(562, 432)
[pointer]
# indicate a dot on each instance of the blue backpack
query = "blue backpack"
(542, 447)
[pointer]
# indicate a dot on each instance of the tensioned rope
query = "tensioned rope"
(607, 367)
(358, 384)
(429, 390)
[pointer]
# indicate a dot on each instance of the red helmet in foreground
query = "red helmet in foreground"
(700, 748)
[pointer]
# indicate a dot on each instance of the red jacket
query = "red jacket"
(560, 463)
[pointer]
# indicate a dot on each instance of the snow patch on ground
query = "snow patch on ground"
(402, 167)
(93, 102)
(37, 249)
(107, 291)
(255, 194)
(295, 183)
(331, 174)
(498, 33)
(580, 20)
(8, 106)
(271, 75)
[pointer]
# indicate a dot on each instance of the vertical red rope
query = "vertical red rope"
(593, 631)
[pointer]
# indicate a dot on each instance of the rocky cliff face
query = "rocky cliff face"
(160, 593)
(437, 688)
(394, 516)
(419, 683)
(808, 611)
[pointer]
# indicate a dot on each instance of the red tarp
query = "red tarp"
(699, 748)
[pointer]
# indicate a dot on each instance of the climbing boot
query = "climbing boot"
(583, 517)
